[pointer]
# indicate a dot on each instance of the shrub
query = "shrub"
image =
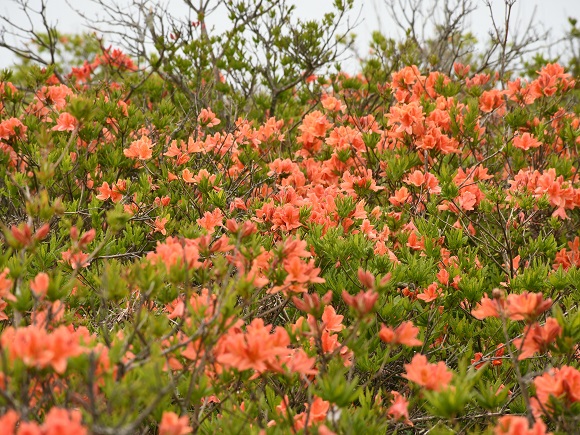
(400, 266)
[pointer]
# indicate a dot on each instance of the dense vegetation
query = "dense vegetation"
(194, 243)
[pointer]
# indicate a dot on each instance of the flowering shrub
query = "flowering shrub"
(403, 267)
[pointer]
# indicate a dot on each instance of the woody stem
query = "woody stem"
(516, 365)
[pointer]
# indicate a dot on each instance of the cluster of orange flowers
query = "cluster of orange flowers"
(326, 182)
(57, 422)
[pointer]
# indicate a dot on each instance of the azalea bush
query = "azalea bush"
(394, 255)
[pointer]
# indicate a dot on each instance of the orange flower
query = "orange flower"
(299, 362)
(526, 141)
(406, 334)
(202, 175)
(318, 409)
(418, 179)
(517, 425)
(496, 360)
(432, 183)
(527, 306)
(332, 322)
(406, 77)
(431, 376)
(8, 421)
(173, 252)
(431, 293)
(324, 430)
(160, 225)
(104, 192)
(115, 192)
(332, 104)
(408, 118)
(414, 242)
(443, 276)
(312, 303)
(63, 422)
(400, 197)
(164, 201)
(208, 118)
(57, 95)
(6, 286)
(286, 218)
(211, 220)
(489, 307)
(65, 122)
(140, 149)
(12, 127)
(42, 232)
(297, 270)
(75, 259)
(522, 94)
(314, 126)
(37, 348)
(7, 88)
(330, 344)
(366, 278)
(3, 306)
(255, 349)
(172, 424)
(187, 176)
(354, 181)
(301, 272)
(467, 200)
(499, 353)
(399, 408)
(560, 384)
(39, 285)
(492, 100)
(22, 233)
(316, 412)
(538, 338)
(116, 59)
(346, 138)
(29, 428)
(363, 302)
(477, 357)
(460, 69)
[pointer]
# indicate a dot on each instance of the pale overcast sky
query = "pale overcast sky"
(552, 15)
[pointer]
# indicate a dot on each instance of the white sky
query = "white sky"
(552, 15)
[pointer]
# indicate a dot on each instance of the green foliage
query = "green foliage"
(170, 249)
